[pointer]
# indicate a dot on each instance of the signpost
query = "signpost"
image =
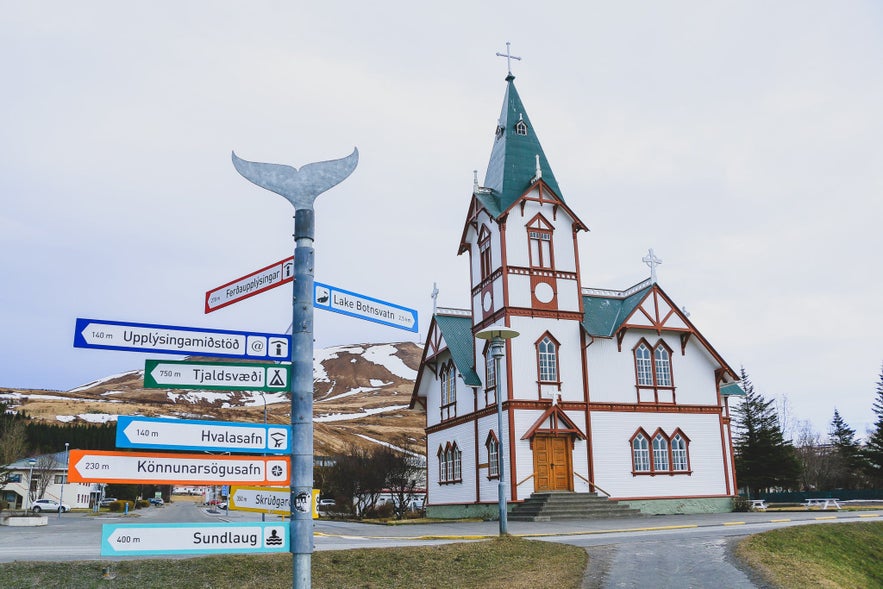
(97, 466)
(259, 281)
(189, 434)
(169, 339)
(228, 376)
(361, 306)
(193, 538)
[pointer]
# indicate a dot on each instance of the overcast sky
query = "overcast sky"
(740, 140)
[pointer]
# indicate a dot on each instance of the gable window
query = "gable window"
(490, 379)
(450, 464)
(521, 127)
(539, 235)
(448, 391)
(547, 359)
(640, 453)
(484, 252)
(670, 454)
(493, 456)
(653, 373)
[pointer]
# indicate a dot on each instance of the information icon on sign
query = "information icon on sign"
(278, 348)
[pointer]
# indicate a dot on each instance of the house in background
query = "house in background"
(29, 472)
(610, 391)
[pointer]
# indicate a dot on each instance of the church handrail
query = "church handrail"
(591, 484)
(527, 478)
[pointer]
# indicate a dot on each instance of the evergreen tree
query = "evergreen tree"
(846, 458)
(763, 458)
(873, 452)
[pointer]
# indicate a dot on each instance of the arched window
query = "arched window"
(653, 372)
(679, 452)
(660, 453)
(493, 456)
(442, 465)
(547, 359)
(640, 453)
(448, 391)
(484, 252)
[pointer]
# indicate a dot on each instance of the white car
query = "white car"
(49, 505)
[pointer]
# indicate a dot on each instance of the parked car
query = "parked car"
(107, 501)
(157, 501)
(222, 505)
(49, 505)
(325, 504)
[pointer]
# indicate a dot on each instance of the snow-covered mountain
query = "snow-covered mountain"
(360, 395)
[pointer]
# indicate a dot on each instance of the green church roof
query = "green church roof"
(457, 331)
(512, 165)
(604, 314)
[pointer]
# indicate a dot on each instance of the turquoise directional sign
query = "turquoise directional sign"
(227, 376)
(331, 298)
(195, 538)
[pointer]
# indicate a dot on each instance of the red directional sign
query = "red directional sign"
(259, 281)
(93, 466)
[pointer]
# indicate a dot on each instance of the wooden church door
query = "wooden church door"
(552, 463)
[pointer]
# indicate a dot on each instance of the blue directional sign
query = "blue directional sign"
(194, 538)
(189, 341)
(353, 304)
(190, 434)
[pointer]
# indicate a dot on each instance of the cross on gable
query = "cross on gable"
(509, 57)
(651, 260)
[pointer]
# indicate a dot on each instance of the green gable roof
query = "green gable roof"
(732, 389)
(457, 331)
(512, 164)
(604, 315)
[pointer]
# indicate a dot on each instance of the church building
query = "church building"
(604, 391)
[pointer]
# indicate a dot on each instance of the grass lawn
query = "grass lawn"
(824, 556)
(508, 563)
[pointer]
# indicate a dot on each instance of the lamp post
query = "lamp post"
(63, 478)
(497, 335)
(31, 463)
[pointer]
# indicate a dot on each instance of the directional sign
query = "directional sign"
(208, 538)
(97, 466)
(249, 285)
(170, 339)
(269, 500)
(353, 304)
(228, 376)
(189, 434)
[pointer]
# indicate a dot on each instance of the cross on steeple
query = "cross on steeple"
(434, 297)
(651, 260)
(509, 57)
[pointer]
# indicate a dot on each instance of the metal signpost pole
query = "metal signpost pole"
(300, 188)
(67, 446)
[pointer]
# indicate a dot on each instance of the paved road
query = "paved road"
(661, 551)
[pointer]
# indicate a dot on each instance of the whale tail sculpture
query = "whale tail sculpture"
(300, 187)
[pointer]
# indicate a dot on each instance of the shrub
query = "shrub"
(120, 505)
(141, 503)
(741, 503)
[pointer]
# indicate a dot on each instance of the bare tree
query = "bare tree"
(42, 475)
(13, 445)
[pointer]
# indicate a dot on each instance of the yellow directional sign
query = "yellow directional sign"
(275, 500)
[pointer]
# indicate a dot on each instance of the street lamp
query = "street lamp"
(63, 478)
(31, 463)
(497, 335)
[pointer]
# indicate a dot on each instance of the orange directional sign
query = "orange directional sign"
(94, 466)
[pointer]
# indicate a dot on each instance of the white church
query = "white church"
(613, 392)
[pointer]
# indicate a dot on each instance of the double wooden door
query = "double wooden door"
(553, 462)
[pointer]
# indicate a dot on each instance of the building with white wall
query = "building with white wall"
(608, 391)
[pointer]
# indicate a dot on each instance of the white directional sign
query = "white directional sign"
(98, 466)
(170, 339)
(249, 285)
(227, 376)
(189, 434)
(361, 306)
(207, 538)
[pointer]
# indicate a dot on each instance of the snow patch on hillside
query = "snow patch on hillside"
(95, 383)
(351, 416)
(349, 393)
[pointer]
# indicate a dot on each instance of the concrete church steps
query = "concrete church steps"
(561, 505)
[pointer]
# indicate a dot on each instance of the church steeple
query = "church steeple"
(516, 156)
